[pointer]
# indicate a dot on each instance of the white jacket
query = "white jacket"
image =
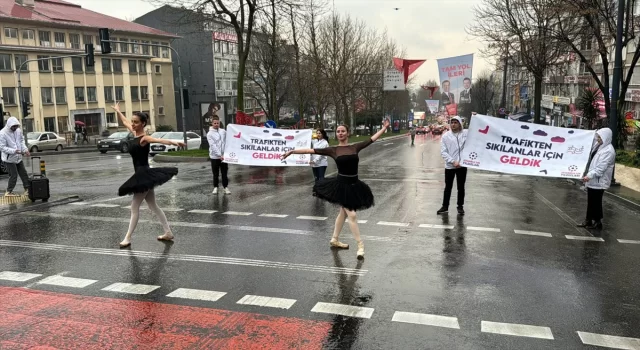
(318, 160)
(217, 139)
(452, 145)
(601, 166)
(10, 141)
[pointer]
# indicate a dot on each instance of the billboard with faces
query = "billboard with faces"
(455, 83)
(208, 110)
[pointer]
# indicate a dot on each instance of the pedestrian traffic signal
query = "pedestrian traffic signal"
(105, 45)
(89, 59)
(26, 109)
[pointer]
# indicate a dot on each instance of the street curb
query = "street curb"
(30, 206)
(159, 158)
(613, 196)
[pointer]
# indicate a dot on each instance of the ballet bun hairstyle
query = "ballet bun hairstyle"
(143, 117)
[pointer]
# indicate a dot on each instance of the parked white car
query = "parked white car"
(40, 141)
(193, 141)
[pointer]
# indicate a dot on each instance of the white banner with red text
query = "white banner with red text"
(250, 145)
(512, 147)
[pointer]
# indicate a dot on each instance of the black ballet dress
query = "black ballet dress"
(145, 177)
(345, 189)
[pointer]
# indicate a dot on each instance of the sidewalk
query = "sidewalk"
(623, 195)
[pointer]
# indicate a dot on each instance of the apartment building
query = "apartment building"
(62, 91)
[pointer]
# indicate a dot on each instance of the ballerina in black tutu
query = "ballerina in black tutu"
(142, 183)
(345, 189)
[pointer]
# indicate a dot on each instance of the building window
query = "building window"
(108, 93)
(61, 95)
(218, 65)
(28, 34)
(60, 39)
(117, 66)
(134, 46)
(158, 90)
(161, 110)
(135, 93)
(76, 64)
(50, 124)
(88, 39)
(9, 96)
(145, 47)
(158, 68)
(142, 66)
(133, 66)
(106, 65)
(20, 59)
(57, 64)
(92, 96)
(115, 47)
(11, 33)
(111, 118)
(119, 93)
(155, 51)
(124, 47)
(74, 41)
(45, 38)
(43, 64)
(63, 123)
(5, 62)
(144, 93)
(79, 92)
(225, 65)
(46, 93)
(25, 94)
(91, 69)
(216, 46)
(165, 50)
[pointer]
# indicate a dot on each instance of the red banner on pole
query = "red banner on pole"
(407, 66)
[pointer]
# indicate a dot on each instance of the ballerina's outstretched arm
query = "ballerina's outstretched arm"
(377, 135)
(149, 139)
(298, 151)
(125, 121)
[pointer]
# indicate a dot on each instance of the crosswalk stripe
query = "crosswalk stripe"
(196, 294)
(533, 233)
(172, 210)
(344, 310)
(63, 281)
(609, 341)
(202, 211)
(628, 241)
(317, 218)
(130, 288)
(359, 221)
(520, 330)
(104, 205)
(273, 215)
(239, 213)
(485, 229)
(585, 238)
(17, 276)
(256, 300)
(446, 227)
(79, 203)
(426, 319)
(389, 223)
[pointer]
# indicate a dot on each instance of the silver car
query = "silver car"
(40, 141)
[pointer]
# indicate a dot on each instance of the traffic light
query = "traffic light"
(89, 59)
(105, 45)
(25, 109)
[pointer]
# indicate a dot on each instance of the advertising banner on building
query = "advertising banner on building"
(513, 147)
(208, 110)
(433, 106)
(455, 83)
(250, 145)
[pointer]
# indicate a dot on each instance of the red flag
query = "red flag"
(452, 109)
(407, 66)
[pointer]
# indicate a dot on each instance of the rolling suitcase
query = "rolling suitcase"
(38, 183)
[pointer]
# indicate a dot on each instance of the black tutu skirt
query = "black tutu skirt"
(146, 179)
(348, 192)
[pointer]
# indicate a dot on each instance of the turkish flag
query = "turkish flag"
(452, 109)
(407, 66)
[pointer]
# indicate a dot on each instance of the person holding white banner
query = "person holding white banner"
(216, 137)
(319, 163)
(345, 189)
(452, 144)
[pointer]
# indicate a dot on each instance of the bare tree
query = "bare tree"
(483, 92)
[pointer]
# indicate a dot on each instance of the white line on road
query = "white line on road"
(520, 330)
(130, 288)
(273, 215)
(388, 144)
(108, 200)
(389, 223)
(102, 205)
(196, 294)
(446, 227)
(79, 203)
(426, 319)
(317, 218)
(344, 310)
(67, 281)
(256, 300)
(17, 276)
(202, 211)
(172, 210)
(533, 233)
(562, 214)
(185, 257)
(239, 213)
(378, 238)
(609, 341)
(585, 238)
(485, 229)
(359, 221)
(628, 241)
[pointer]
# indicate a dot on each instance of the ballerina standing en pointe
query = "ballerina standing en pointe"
(142, 183)
(345, 189)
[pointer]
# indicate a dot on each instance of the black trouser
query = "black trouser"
(594, 204)
(216, 166)
(318, 172)
(461, 176)
(14, 171)
(413, 137)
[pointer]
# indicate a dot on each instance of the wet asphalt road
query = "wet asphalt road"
(515, 257)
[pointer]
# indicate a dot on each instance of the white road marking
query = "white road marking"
(129, 207)
(344, 310)
(533, 233)
(520, 330)
(202, 211)
(562, 214)
(426, 319)
(240, 213)
(389, 223)
(79, 203)
(485, 229)
(256, 300)
(585, 238)
(103, 205)
(108, 200)
(388, 144)
(378, 238)
(172, 210)
(67, 281)
(273, 215)
(196, 294)
(359, 221)
(317, 218)
(185, 257)
(628, 241)
(446, 227)
(609, 341)
(17, 276)
(130, 288)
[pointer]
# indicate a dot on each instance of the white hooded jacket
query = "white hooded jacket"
(217, 139)
(452, 145)
(10, 141)
(601, 167)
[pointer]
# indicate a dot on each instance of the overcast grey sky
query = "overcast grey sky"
(427, 29)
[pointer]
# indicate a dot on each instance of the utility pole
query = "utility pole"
(503, 98)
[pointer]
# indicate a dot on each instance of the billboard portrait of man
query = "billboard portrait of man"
(447, 97)
(208, 110)
(465, 94)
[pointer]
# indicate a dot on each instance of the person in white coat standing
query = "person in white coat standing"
(452, 144)
(319, 163)
(12, 146)
(217, 137)
(598, 177)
